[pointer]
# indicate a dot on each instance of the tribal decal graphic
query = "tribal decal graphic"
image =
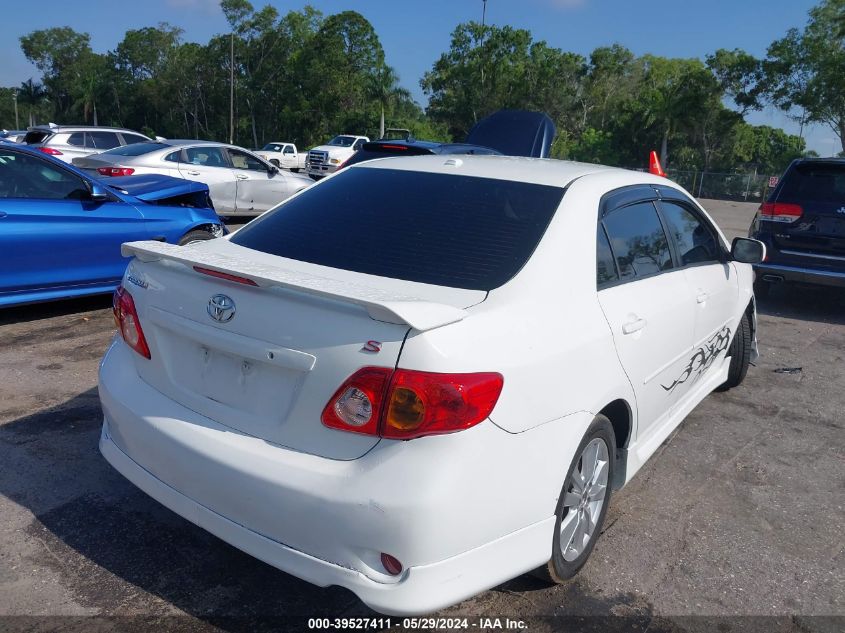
(703, 358)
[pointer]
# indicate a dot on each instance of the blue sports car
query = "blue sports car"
(61, 230)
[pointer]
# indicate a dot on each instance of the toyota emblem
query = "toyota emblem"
(221, 308)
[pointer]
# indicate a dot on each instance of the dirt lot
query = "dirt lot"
(741, 513)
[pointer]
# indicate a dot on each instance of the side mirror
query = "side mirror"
(97, 193)
(747, 251)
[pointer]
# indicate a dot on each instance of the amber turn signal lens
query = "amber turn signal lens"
(406, 411)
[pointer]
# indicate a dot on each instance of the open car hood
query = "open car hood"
(515, 133)
(155, 187)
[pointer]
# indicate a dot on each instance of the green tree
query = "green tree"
(804, 69)
(32, 95)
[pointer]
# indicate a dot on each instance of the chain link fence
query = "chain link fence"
(723, 186)
(719, 186)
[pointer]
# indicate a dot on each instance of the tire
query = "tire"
(740, 353)
(275, 162)
(564, 564)
(295, 170)
(197, 235)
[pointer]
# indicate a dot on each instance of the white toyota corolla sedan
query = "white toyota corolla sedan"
(424, 376)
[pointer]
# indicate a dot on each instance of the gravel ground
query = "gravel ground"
(736, 524)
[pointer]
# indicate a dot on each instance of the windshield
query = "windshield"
(443, 229)
(342, 141)
(272, 147)
(136, 149)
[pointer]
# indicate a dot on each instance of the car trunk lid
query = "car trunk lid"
(267, 359)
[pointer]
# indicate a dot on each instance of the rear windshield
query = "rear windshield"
(814, 182)
(136, 149)
(342, 141)
(36, 136)
(447, 230)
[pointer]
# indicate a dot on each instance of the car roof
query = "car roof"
(81, 128)
(543, 171)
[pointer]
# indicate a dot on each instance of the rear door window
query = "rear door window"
(129, 139)
(443, 229)
(206, 156)
(605, 267)
(103, 140)
(638, 241)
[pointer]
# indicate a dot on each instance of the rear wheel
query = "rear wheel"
(275, 162)
(740, 353)
(583, 503)
(295, 170)
(197, 235)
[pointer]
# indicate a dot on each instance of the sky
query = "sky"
(414, 34)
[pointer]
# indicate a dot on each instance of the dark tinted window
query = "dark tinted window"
(103, 140)
(448, 230)
(23, 176)
(696, 241)
(173, 157)
(35, 137)
(130, 139)
(136, 149)
(638, 241)
(605, 269)
(814, 182)
(77, 139)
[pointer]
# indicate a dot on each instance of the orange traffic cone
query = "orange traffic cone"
(654, 165)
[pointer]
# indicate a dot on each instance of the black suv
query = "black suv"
(802, 224)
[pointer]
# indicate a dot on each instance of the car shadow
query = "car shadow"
(38, 311)
(118, 552)
(804, 302)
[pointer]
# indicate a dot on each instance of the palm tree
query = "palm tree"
(32, 94)
(385, 90)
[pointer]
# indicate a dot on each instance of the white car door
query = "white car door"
(711, 278)
(258, 187)
(208, 164)
(649, 307)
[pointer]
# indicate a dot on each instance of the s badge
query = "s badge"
(372, 346)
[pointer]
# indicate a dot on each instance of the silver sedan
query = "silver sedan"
(240, 182)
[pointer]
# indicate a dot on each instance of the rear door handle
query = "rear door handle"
(701, 297)
(242, 177)
(634, 326)
(192, 173)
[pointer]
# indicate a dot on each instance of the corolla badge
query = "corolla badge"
(221, 308)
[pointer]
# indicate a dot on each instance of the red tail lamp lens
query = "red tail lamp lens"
(115, 171)
(405, 404)
(127, 322)
(781, 211)
(49, 151)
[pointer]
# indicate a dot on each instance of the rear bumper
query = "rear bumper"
(800, 274)
(448, 507)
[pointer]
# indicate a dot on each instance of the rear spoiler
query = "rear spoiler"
(381, 305)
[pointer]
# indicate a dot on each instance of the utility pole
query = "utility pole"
(483, 21)
(232, 89)
(15, 99)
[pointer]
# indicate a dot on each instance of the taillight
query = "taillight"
(115, 171)
(406, 404)
(127, 322)
(780, 211)
(49, 151)
(227, 276)
(356, 406)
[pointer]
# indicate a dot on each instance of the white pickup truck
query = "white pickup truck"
(325, 159)
(284, 155)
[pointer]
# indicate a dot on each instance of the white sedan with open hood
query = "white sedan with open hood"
(424, 376)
